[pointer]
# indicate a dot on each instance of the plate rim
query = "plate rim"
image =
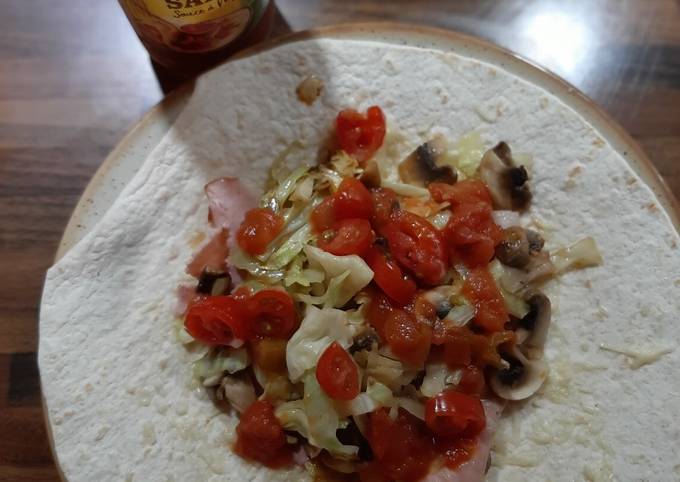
(604, 124)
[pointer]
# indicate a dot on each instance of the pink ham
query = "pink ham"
(228, 201)
(474, 470)
(185, 294)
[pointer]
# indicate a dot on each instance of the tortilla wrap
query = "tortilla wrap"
(121, 400)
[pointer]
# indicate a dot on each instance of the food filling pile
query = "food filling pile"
(373, 318)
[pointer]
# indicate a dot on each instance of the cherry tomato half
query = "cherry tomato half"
(388, 276)
(323, 215)
(480, 289)
(452, 413)
(418, 247)
(360, 135)
(261, 436)
(352, 200)
(337, 373)
(216, 320)
(258, 229)
(271, 313)
(379, 309)
(407, 338)
(385, 206)
(349, 236)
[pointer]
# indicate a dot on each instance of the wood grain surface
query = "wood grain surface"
(74, 78)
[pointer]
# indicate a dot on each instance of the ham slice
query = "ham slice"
(228, 201)
(474, 470)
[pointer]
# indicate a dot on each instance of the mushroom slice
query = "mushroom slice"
(514, 248)
(507, 183)
(422, 166)
(521, 378)
(238, 392)
(533, 328)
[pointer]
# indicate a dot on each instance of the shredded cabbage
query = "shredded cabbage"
(516, 306)
(277, 197)
(323, 421)
(435, 379)
(319, 328)
(291, 248)
(240, 260)
(293, 417)
(582, 254)
(216, 362)
(376, 395)
(408, 190)
(359, 272)
(344, 164)
(330, 298)
(296, 274)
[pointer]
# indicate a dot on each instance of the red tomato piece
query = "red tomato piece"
(407, 338)
(360, 135)
(480, 289)
(468, 191)
(388, 276)
(379, 309)
(258, 229)
(337, 373)
(260, 436)
(403, 448)
(472, 381)
(385, 206)
(271, 313)
(216, 320)
(352, 200)
(462, 347)
(417, 246)
(323, 216)
(451, 413)
(349, 236)
(472, 233)
(457, 450)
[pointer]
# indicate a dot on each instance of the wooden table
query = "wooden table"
(75, 78)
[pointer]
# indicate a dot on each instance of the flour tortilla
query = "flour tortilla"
(121, 400)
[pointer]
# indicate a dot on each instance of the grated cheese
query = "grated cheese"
(638, 357)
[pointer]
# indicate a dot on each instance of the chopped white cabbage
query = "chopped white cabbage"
(293, 417)
(359, 272)
(330, 299)
(414, 407)
(319, 328)
(516, 306)
(276, 198)
(376, 395)
(387, 371)
(290, 248)
(296, 274)
(435, 379)
(217, 362)
(470, 150)
(582, 254)
(408, 190)
(240, 260)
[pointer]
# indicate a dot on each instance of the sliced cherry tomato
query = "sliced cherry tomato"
(452, 413)
(481, 290)
(418, 247)
(360, 135)
(407, 338)
(271, 313)
(323, 216)
(258, 229)
(472, 233)
(388, 276)
(403, 448)
(352, 200)
(260, 436)
(349, 236)
(216, 320)
(385, 206)
(468, 191)
(379, 309)
(472, 381)
(337, 373)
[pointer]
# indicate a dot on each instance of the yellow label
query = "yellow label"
(190, 11)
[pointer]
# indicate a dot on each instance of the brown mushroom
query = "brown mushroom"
(371, 175)
(422, 166)
(520, 378)
(533, 328)
(507, 183)
(513, 250)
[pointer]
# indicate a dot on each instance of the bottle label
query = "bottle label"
(192, 25)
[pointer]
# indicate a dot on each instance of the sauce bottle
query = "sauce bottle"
(186, 37)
